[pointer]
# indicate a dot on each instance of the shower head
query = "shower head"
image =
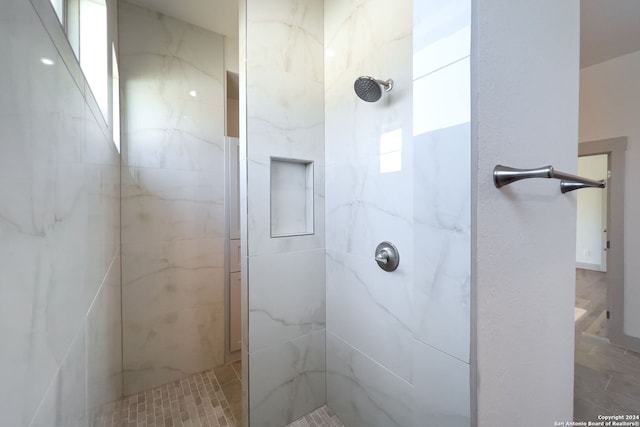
(370, 89)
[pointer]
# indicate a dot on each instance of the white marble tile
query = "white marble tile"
(169, 276)
(49, 264)
(285, 77)
(304, 141)
(371, 309)
(52, 25)
(164, 346)
(64, 403)
(363, 38)
(259, 210)
(363, 393)
(365, 207)
(166, 205)
(102, 184)
(368, 200)
(287, 297)
(442, 234)
(443, 98)
(173, 111)
(174, 39)
(295, 42)
(284, 81)
(442, 393)
(442, 34)
(104, 343)
(173, 310)
(287, 380)
(291, 188)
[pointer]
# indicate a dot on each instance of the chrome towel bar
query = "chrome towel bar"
(505, 175)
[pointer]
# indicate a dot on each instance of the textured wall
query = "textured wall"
(59, 230)
(283, 82)
(525, 114)
(172, 198)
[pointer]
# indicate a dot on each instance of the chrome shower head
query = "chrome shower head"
(370, 89)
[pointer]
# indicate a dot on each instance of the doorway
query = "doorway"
(591, 248)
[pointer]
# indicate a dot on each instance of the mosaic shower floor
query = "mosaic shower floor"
(208, 399)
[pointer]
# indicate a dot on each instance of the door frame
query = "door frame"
(615, 148)
(604, 234)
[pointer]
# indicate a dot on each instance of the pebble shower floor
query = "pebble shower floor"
(194, 401)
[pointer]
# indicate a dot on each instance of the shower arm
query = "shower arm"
(386, 84)
(505, 175)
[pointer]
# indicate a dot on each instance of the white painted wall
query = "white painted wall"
(591, 218)
(609, 107)
(523, 236)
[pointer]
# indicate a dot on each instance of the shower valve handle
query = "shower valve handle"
(387, 256)
(382, 257)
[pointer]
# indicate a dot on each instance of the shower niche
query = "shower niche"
(291, 198)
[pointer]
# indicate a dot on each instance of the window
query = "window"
(93, 50)
(116, 97)
(85, 24)
(58, 6)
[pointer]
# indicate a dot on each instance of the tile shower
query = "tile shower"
(173, 206)
(385, 338)
(324, 324)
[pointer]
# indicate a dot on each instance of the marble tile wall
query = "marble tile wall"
(284, 285)
(369, 311)
(442, 212)
(59, 230)
(398, 343)
(173, 216)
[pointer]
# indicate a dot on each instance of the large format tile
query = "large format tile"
(441, 34)
(287, 380)
(172, 275)
(287, 297)
(442, 389)
(172, 81)
(442, 99)
(284, 83)
(365, 207)
(154, 345)
(173, 194)
(442, 239)
(260, 240)
(102, 183)
(164, 205)
(369, 188)
(104, 343)
(371, 310)
(363, 38)
(361, 392)
(64, 404)
(49, 264)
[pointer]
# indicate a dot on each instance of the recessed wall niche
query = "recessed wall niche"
(291, 197)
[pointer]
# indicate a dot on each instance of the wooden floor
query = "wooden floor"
(591, 295)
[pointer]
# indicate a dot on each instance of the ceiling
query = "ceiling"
(609, 28)
(220, 16)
